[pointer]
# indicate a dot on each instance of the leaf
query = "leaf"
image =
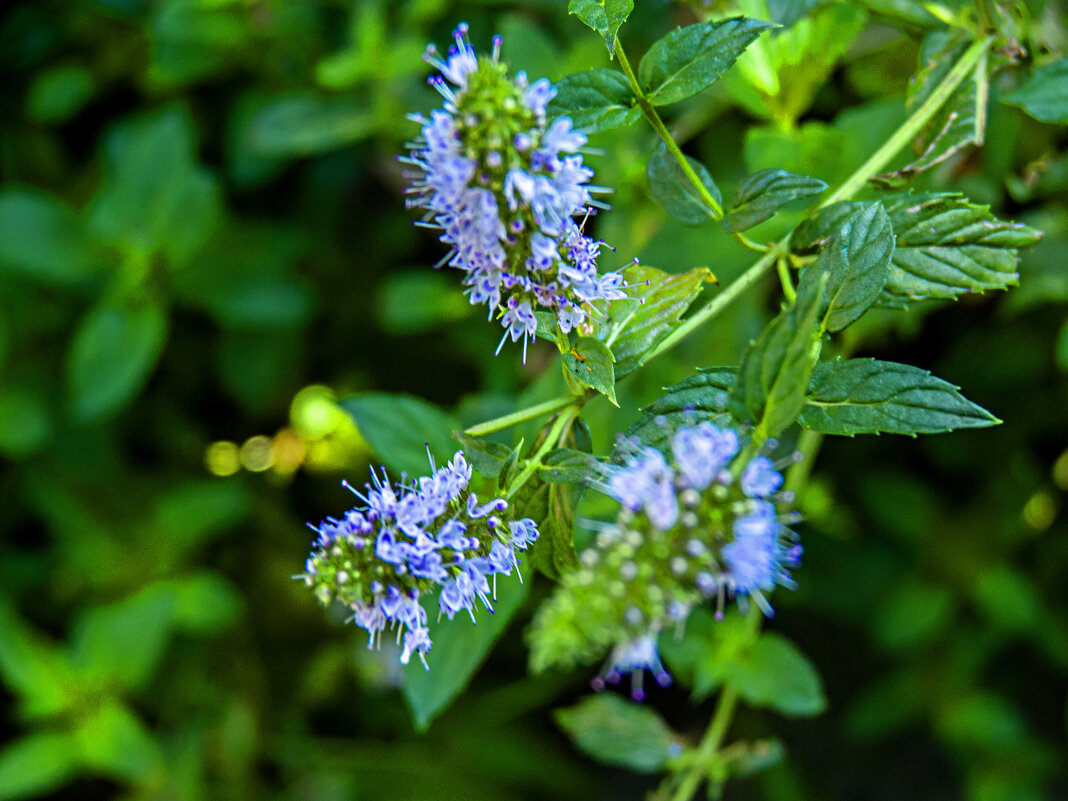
(655, 303)
(399, 429)
(910, 12)
(776, 675)
(590, 363)
(308, 125)
(690, 59)
(43, 240)
(37, 764)
(458, 650)
(618, 732)
(33, 668)
(672, 190)
(867, 396)
(547, 328)
(485, 455)
(770, 388)
(857, 263)
(114, 742)
(113, 352)
(764, 192)
(204, 603)
(787, 12)
(694, 400)
(595, 100)
(816, 231)
(507, 471)
(25, 420)
(603, 16)
(947, 246)
(567, 466)
(1044, 95)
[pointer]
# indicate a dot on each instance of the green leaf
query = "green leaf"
(57, 94)
(698, 398)
(25, 420)
(42, 240)
(867, 396)
(459, 648)
(113, 352)
(507, 471)
(856, 261)
(787, 12)
(37, 764)
(596, 100)
(33, 668)
(690, 59)
(399, 429)
(603, 16)
(204, 603)
(776, 675)
(618, 732)
(671, 188)
(590, 363)
(910, 12)
(947, 246)
(308, 125)
(764, 192)
(1044, 95)
(485, 456)
(652, 309)
(566, 466)
(775, 370)
(550, 330)
(114, 742)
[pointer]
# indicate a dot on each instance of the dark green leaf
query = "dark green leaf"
(618, 732)
(776, 675)
(816, 231)
(37, 764)
(787, 12)
(867, 396)
(655, 302)
(25, 420)
(567, 466)
(775, 370)
(672, 189)
(690, 59)
(550, 330)
(42, 240)
(113, 352)
(306, 125)
(484, 455)
(603, 16)
(590, 363)
(554, 551)
(459, 648)
(596, 100)
(764, 192)
(698, 398)
(857, 263)
(59, 93)
(507, 471)
(1044, 95)
(400, 427)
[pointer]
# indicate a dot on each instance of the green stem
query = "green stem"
(749, 244)
(556, 433)
(784, 278)
(515, 418)
(715, 210)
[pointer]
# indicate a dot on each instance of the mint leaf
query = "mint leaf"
(400, 427)
(775, 674)
(764, 192)
(670, 187)
(590, 363)
(617, 732)
(596, 100)
(1045, 94)
(603, 16)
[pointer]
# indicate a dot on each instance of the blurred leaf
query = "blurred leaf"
(112, 354)
(1044, 95)
(603, 16)
(671, 188)
(910, 12)
(982, 720)
(690, 59)
(868, 396)
(414, 301)
(776, 675)
(697, 398)
(857, 263)
(553, 553)
(191, 40)
(59, 93)
(567, 466)
(654, 304)
(400, 427)
(787, 12)
(258, 365)
(196, 509)
(596, 100)
(590, 363)
(25, 420)
(205, 602)
(42, 240)
(912, 616)
(764, 192)
(459, 648)
(751, 758)
(114, 742)
(618, 732)
(308, 125)
(32, 668)
(707, 650)
(37, 764)
(1009, 599)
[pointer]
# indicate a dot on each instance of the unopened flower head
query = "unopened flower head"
(701, 521)
(409, 539)
(504, 186)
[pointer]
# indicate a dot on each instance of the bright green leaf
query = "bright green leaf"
(205, 602)
(114, 742)
(603, 16)
(595, 100)
(618, 732)
(672, 189)
(1044, 95)
(33, 668)
(400, 427)
(37, 764)
(590, 363)
(776, 675)
(764, 193)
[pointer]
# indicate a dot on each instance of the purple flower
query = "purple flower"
(702, 452)
(760, 478)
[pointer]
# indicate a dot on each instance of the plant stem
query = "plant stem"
(515, 418)
(555, 434)
(784, 278)
(749, 244)
(715, 210)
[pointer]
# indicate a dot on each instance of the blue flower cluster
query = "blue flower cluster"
(503, 186)
(379, 559)
(700, 522)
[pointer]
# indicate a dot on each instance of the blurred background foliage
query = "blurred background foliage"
(203, 245)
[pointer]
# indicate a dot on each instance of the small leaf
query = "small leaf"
(655, 302)
(775, 370)
(670, 187)
(909, 12)
(1044, 95)
(590, 363)
(34, 668)
(690, 59)
(867, 396)
(43, 240)
(776, 675)
(308, 124)
(507, 471)
(698, 398)
(37, 764)
(458, 650)
(603, 16)
(566, 466)
(114, 742)
(113, 352)
(485, 455)
(547, 328)
(595, 100)
(857, 263)
(553, 553)
(617, 732)
(764, 192)
(400, 427)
